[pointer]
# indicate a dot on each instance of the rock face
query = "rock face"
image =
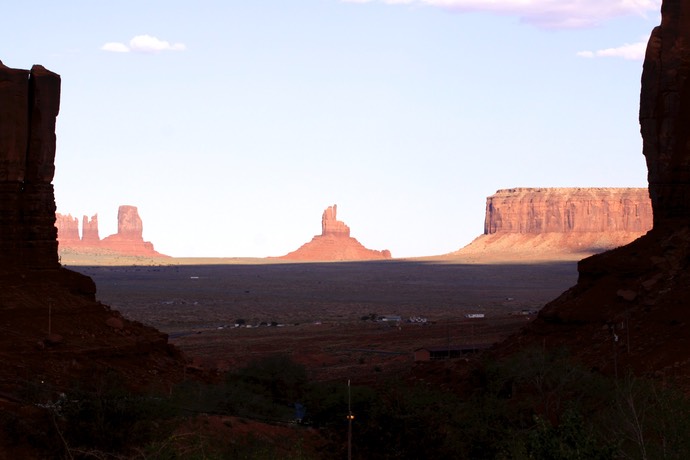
(129, 225)
(565, 210)
(127, 241)
(29, 105)
(89, 229)
(334, 243)
(68, 229)
(665, 115)
(562, 222)
(330, 225)
(629, 307)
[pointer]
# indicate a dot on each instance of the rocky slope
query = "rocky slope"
(334, 243)
(544, 223)
(127, 241)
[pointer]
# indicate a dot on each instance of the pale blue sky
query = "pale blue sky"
(232, 124)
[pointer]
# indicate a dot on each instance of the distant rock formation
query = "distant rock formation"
(330, 225)
(68, 229)
(29, 105)
(89, 231)
(334, 243)
(543, 222)
(127, 241)
(564, 210)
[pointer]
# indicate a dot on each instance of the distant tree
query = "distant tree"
(571, 439)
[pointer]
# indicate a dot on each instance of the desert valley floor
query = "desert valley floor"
(315, 311)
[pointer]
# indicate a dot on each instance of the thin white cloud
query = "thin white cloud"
(143, 44)
(552, 14)
(147, 43)
(115, 47)
(629, 51)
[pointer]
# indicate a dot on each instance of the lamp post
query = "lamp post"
(350, 417)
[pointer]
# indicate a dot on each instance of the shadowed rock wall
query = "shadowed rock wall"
(665, 115)
(29, 105)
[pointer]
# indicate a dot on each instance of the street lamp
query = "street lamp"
(350, 418)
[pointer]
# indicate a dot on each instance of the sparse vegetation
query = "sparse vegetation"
(534, 405)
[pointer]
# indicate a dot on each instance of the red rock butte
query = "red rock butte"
(127, 241)
(542, 223)
(334, 244)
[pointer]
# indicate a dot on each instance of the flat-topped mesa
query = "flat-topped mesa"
(29, 105)
(330, 225)
(334, 243)
(566, 210)
(560, 223)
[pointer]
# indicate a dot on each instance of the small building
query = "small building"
(390, 318)
(455, 351)
(474, 315)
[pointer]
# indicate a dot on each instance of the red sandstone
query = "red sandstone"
(127, 241)
(334, 243)
(542, 223)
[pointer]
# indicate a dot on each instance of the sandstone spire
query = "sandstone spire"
(330, 225)
(89, 230)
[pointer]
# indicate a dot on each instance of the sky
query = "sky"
(233, 124)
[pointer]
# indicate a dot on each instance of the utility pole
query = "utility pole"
(50, 316)
(615, 351)
(350, 417)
